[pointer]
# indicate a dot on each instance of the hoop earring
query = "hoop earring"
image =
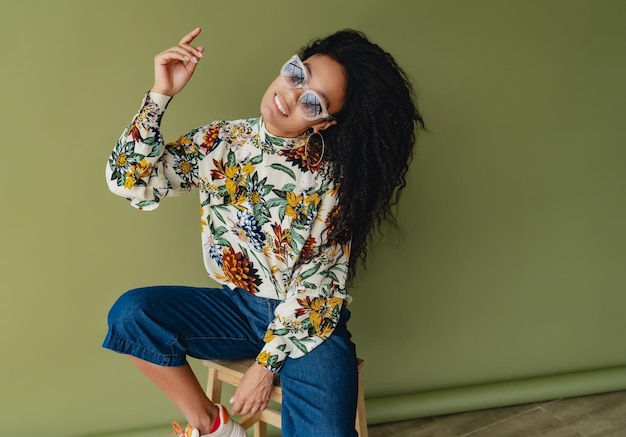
(306, 149)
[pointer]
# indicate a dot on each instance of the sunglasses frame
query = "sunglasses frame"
(295, 60)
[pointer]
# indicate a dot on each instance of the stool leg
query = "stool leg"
(361, 420)
(260, 429)
(214, 386)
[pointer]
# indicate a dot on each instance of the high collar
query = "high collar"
(269, 138)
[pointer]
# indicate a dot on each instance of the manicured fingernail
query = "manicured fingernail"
(231, 400)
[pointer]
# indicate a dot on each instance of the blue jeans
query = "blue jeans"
(164, 324)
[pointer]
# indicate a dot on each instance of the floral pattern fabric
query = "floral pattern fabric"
(264, 215)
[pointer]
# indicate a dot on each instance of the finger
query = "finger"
(177, 53)
(191, 36)
(248, 408)
(244, 407)
(195, 51)
(236, 407)
(171, 55)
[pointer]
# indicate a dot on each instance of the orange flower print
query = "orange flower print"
(240, 271)
(299, 157)
(307, 250)
(133, 131)
(209, 139)
(281, 244)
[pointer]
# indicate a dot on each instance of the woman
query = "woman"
(288, 201)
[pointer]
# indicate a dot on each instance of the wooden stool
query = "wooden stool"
(231, 372)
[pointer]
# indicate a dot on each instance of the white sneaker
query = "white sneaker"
(227, 428)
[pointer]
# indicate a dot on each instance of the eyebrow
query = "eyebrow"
(321, 93)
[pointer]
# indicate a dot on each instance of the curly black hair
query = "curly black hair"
(371, 146)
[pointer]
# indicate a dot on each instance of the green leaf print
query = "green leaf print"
(332, 276)
(145, 203)
(288, 188)
(274, 141)
(306, 324)
(280, 332)
(216, 211)
(255, 159)
(276, 202)
(299, 344)
(298, 240)
(310, 272)
(150, 141)
(284, 169)
(232, 160)
(310, 285)
(219, 231)
(157, 150)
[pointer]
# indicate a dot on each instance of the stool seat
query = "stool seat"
(231, 372)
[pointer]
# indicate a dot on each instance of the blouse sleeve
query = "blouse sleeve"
(143, 169)
(315, 296)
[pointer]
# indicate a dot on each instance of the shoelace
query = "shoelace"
(178, 430)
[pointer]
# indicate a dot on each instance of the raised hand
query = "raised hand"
(174, 67)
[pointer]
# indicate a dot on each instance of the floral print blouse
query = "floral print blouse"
(264, 215)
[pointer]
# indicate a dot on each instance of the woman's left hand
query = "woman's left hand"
(253, 393)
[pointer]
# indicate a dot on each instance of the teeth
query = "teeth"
(277, 101)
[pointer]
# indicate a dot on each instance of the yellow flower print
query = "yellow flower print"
(294, 204)
(136, 172)
(326, 331)
(320, 311)
(231, 171)
(231, 187)
(121, 160)
(269, 336)
(255, 198)
(263, 357)
(203, 222)
(247, 169)
(235, 178)
(185, 167)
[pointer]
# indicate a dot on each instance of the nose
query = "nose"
(295, 94)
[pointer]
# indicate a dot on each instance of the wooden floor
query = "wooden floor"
(590, 416)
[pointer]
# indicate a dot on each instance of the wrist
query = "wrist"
(162, 100)
(161, 91)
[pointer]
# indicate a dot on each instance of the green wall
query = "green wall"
(507, 284)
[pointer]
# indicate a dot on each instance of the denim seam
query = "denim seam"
(165, 358)
(201, 337)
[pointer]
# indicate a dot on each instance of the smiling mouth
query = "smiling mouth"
(279, 105)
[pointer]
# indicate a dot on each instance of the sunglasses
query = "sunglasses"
(310, 104)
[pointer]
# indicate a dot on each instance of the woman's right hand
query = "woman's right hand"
(174, 67)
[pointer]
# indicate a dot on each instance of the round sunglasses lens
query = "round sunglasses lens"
(293, 73)
(310, 105)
